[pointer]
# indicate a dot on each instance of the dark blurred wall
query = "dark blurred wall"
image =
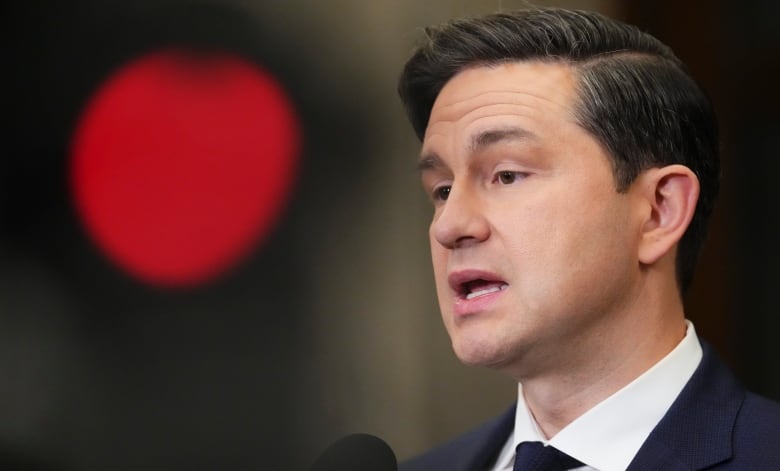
(105, 371)
(751, 54)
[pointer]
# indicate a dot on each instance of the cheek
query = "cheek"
(535, 229)
(438, 255)
(563, 233)
(439, 261)
(595, 246)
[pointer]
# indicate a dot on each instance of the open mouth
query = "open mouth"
(476, 288)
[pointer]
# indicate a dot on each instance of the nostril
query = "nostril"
(465, 241)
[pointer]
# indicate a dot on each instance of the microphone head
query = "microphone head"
(359, 451)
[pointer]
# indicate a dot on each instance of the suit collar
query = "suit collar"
(697, 430)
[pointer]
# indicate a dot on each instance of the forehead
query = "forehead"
(532, 91)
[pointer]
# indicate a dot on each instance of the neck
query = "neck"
(604, 360)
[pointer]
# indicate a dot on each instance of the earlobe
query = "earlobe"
(672, 193)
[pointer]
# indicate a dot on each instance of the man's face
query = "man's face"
(534, 250)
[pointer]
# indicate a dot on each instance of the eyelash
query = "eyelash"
(499, 177)
(443, 192)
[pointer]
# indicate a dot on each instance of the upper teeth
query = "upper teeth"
(484, 291)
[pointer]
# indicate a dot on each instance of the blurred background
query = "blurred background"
(315, 316)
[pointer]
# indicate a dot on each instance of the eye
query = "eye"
(507, 177)
(441, 193)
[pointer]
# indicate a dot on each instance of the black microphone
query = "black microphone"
(359, 451)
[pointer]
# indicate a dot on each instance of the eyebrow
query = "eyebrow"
(429, 161)
(479, 142)
(493, 136)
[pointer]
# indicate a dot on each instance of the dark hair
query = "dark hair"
(634, 95)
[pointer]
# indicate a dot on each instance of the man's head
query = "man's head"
(632, 94)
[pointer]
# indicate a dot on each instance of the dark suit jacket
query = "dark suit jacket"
(713, 424)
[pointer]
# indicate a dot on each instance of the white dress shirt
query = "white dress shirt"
(608, 436)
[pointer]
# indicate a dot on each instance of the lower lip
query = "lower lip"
(467, 307)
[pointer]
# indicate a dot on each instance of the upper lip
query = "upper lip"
(458, 280)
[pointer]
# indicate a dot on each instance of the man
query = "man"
(573, 164)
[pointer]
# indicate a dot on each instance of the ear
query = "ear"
(671, 193)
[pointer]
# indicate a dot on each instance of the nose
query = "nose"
(461, 221)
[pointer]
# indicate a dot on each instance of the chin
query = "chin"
(478, 354)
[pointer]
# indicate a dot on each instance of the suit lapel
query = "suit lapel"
(474, 451)
(487, 444)
(697, 430)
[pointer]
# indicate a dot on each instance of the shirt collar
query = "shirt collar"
(608, 436)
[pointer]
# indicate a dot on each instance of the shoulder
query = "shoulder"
(748, 423)
(757, 429)
(474, 448)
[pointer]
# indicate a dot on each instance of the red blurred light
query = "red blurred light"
(180, 164)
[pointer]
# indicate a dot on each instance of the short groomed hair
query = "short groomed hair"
(634, 95)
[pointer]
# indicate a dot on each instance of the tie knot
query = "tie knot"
(535, 456)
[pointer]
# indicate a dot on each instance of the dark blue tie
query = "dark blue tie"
(534, 456)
